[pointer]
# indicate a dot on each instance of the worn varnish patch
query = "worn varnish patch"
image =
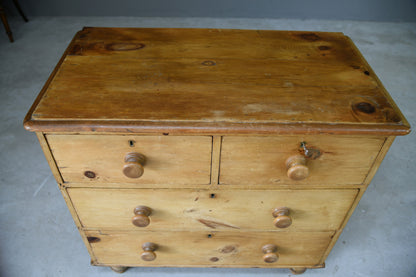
(103, 48)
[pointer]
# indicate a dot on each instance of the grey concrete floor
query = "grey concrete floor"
(37, 234)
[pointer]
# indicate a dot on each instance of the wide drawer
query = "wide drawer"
(334, 160)
(186, 209)
(102, 158)
(208, 248)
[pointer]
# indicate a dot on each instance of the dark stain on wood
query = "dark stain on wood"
(196, 199)
(208, 63)
(376, 110)
(228, 249)
(390, 115)
(323, 47)
(214, 259)
(131, 143)
(89, 174)
(365, 107)
(83, 33)
(75, 50)
(309, 36)
(93, 239)
(214, 224)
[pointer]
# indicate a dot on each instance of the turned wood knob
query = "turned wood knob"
(134, 163)
(296, 168)
(270, 255)
(141, 216)
(282, 218)
(149, 249)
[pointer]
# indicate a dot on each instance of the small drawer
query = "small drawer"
(133, 159)
(186, 209)
(309, 160)
(230, 249)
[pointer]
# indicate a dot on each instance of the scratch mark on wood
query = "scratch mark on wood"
(214, 224)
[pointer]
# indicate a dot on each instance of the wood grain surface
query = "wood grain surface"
(262, 160)
(229, 249)
(208, 80)
(169, 159)
(184, 209)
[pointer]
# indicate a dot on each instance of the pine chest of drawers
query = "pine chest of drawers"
(213, 148)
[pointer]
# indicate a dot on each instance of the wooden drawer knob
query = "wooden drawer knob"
(134, 163)
(296, 168)
(282, 218)
(141, 216)
(149, 249)
(270, 255)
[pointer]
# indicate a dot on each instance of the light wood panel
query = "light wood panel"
(380, 157)
(205, 80)
(181, 209)
(232, 249)
(387, 143)
(76, 221)
(169, 160)
(262, 160)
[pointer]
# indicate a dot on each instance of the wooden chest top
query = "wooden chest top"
(214, 81)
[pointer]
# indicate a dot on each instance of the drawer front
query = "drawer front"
(102, 158)
(186, 209)
(205, 248)
(334, 160)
